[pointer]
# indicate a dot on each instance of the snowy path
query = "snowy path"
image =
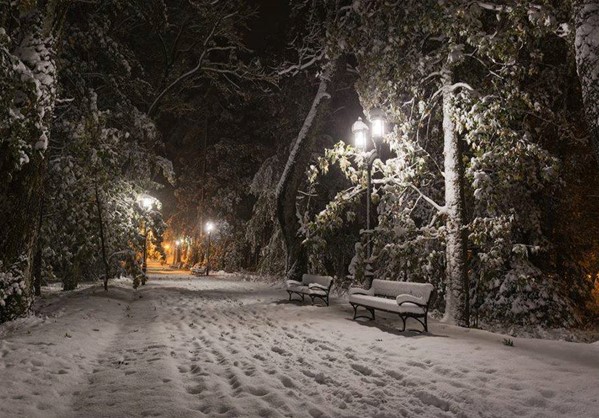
(196, 347)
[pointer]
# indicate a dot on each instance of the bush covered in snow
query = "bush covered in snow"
(13, 294)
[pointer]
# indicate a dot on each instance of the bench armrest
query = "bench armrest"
(293, 283)
(401, 299)
(317, 286)
(360, 291)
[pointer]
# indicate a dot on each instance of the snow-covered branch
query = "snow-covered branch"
(439, 208)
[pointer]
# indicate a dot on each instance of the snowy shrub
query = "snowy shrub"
(524, 296)
(13, 294)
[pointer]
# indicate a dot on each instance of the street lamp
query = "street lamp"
(377, 120)
(360, 132)
(146, 203)
(209, 228)
(176, 252)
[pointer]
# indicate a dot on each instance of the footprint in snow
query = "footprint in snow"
(366, 371)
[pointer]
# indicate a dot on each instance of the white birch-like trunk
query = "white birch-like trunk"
(457, 299)
(586, 16)
(290, 181)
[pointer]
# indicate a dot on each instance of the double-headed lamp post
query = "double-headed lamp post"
(361, 140)
(146, 203)
(209, 229)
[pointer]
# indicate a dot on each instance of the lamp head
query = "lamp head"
(360, 131)
(209, 227)
(378, 121)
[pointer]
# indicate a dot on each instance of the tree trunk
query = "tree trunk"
(457, 297)
(586, 16)
(289, 184)
(20, 196)
(102, 239)
(37, 259)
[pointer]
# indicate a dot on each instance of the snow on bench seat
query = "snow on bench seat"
(408, 300)
(312, 285)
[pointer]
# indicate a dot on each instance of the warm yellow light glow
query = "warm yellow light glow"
(167, 246)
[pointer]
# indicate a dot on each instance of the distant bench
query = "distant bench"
(311, 285)
(408, 300)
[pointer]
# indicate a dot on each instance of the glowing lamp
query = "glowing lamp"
(377, 119)
(209, 227)
(360, 131)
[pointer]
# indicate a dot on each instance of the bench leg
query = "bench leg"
(403, 320)
(327, 300)
(371, 310)
(296, 300)
(312, 298)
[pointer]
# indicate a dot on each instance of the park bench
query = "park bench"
(311, 285)
(408, 300)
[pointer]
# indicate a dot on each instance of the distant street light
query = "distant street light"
(209, 229)
(360, 131)
(146, 203)
(176, 251)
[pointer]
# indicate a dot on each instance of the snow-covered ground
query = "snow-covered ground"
(184, 346)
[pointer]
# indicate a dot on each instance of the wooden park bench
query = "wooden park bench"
(408, 300)
(311, 285)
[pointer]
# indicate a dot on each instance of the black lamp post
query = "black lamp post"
(361, 140)
(146, 203)
(209, 229)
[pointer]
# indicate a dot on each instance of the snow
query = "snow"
(221, 346)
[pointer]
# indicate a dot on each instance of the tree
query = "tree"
(28, 91)
(586, 20)
(473, 78)
(291, 179)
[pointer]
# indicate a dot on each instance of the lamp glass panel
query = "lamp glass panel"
(360, 139)
(378, 128)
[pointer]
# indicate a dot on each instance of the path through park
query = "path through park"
(185, 346)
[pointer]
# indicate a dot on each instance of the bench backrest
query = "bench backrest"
(313, 278)
(390, 288)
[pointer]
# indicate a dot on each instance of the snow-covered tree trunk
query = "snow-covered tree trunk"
(22, 194)
(293, 175)
(456, 301)
(586, 15)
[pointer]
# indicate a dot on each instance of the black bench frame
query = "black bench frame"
(325, 298)
(403, 315)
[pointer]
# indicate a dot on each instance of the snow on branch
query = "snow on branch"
(439, 208)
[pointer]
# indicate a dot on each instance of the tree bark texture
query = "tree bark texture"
(102, 239)
(457, 296)
(586, 17)
(289, 184)
(20, 197)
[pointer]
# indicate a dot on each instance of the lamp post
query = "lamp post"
(146, 203)
(176, 251)
(361, 140)
(209, 229)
